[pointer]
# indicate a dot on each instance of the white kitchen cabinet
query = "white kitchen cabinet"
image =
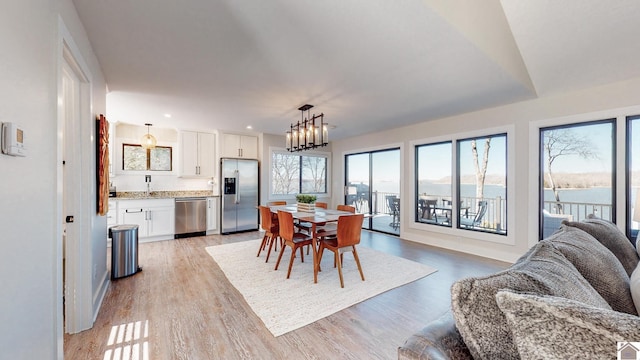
(155, 217)
(212, 215)
(198, 154)
(239, 146)
(112, 213)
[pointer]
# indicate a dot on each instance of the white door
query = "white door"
(189, 156)
(76, 264)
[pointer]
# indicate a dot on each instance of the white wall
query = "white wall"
(590, 104)
(28, 186)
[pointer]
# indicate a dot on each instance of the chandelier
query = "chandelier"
(308, 133)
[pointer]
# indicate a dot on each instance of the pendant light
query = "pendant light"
(148, 141)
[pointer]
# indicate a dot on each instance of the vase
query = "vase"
(306, 207)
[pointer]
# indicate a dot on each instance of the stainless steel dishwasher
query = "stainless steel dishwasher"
(191, 217)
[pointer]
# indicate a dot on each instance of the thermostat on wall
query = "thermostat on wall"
(13, 140)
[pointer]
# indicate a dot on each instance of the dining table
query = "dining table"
(318, 216)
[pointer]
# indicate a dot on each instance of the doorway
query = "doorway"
(373, 186)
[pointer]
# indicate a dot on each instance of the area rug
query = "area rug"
(267, 290)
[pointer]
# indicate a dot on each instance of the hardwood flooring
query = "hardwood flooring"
(181, 306)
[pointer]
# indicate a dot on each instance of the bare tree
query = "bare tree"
(481, 170)
(317, 166)
(286, 172)
(564, 142)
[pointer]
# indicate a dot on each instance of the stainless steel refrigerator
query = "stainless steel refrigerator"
(239, 182)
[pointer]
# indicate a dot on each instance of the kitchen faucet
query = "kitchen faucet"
(147, 179)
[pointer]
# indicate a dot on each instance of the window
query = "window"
(293, 173)
(134, 157)
(434, 185)
(482, 184)
(633, 176)
(577, 173)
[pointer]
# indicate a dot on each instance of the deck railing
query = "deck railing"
(579, 210)
(495, 219)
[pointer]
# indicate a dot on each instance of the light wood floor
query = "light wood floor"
(181, 306)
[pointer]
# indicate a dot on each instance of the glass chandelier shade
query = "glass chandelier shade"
(309, 133)
(148, 141)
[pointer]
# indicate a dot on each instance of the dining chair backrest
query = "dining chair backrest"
(349, 229)
(348, 208)
(276, 203)
(322, 205)
(265, 214)
(285, 220)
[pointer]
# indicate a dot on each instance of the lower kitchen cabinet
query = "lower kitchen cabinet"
(155, 217)
(212, 216)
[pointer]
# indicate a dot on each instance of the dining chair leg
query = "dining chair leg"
(265, 238)
(270, 245)
(279, 257)
(355, 256)
(337, 259)
(301, 255)
(293, 253)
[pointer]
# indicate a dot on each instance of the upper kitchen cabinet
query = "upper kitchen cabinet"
(198, 154)
(239, 146)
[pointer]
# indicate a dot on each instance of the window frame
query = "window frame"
(148, 157)
(417, 180)
(325, 155)
(614, 172)
(482, 236)
(506, 182)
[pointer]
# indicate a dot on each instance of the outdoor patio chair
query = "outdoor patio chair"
(393, 202)
(474, 219)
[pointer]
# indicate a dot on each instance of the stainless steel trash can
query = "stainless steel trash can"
(124, 250)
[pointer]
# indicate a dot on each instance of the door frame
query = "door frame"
(370, 153)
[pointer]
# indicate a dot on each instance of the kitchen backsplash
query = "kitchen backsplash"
(162, 183)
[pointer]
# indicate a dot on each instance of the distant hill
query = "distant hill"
(563, 180)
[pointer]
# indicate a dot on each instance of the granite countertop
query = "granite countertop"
(128, 195)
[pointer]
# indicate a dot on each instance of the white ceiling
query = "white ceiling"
(367, 65)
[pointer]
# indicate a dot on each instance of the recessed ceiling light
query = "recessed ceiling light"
(167, 115)
(249, 127)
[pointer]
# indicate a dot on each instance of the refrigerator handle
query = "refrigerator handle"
(237, 173)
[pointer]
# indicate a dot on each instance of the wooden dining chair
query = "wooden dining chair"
(348, 236)
(292, 239)
(322, 205)
(349, 208)
(271, 231)
(276, 203)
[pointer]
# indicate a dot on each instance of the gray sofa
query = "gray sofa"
(570, 294)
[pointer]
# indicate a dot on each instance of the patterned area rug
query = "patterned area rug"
(266, 290)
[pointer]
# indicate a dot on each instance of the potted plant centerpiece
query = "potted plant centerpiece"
(306, 202)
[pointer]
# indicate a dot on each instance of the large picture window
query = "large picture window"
(577, 173)
(295, 173)
(434, 184)
(482, 184)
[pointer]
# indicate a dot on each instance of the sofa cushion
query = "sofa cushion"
(612, 238)
(542, 270)
(634, 285)
(598, 265)
(547, 327)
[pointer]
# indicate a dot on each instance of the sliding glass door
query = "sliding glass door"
(373, 187)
